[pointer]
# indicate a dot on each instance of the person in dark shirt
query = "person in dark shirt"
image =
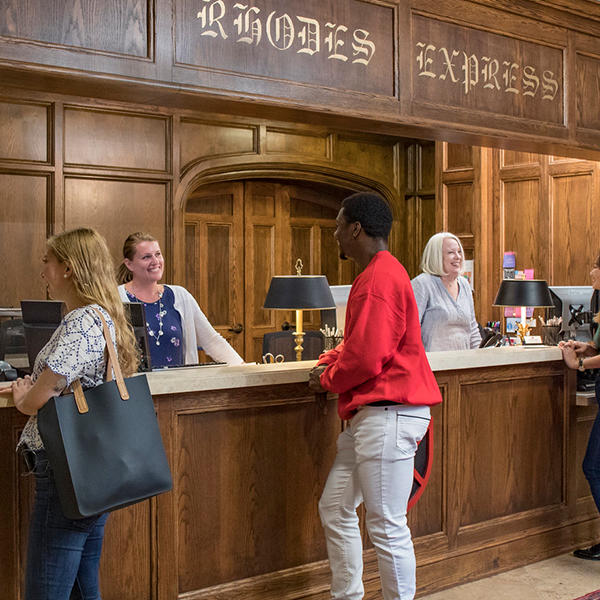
(385, 387)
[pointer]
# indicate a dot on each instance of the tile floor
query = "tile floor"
(560, 578)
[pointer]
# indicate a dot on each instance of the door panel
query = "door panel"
(214, 253)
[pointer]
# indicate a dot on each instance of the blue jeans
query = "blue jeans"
(591, 462)
(63, 555)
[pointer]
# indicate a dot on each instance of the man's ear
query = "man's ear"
(356, 229)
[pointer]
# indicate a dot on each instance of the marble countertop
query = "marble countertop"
(217, 377)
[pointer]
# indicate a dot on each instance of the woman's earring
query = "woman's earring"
(65, 275)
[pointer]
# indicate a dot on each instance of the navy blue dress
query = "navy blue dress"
(163, 324)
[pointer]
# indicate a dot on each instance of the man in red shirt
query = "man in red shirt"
(385, 387)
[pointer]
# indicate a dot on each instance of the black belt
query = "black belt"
(383, 403)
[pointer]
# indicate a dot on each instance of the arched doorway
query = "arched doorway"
(238, 234)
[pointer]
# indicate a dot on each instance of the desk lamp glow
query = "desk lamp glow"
(299, 292)
(524, 293)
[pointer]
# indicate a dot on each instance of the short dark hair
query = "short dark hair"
(371, 211)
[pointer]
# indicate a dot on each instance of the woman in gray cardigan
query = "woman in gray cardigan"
(176, 325)
(444, 297)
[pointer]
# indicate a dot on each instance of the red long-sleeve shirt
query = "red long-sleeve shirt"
(382, 356)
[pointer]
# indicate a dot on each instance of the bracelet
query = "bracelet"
(581, 367)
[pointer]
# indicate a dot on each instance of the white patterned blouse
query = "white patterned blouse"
(75, 351)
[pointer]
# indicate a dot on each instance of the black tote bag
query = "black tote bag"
(104, 445)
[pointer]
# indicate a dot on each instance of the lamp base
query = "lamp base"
(298, 338)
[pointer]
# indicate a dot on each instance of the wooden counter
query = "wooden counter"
(250, 448)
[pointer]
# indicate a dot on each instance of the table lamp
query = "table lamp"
(299, 292)
(524, 293)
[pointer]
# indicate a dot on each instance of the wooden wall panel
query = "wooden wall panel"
(458, 156)
(126, 568)
(23, 217)
(249, 516)
(292, 142)
(523, 231)
(588, 83)
(514, 158)
(122, 28)
(459, 202)
(352, 152)
(576, 212)
(505, 469)
(24, 132)
(118, 208)
(205, 139)
(115, 140)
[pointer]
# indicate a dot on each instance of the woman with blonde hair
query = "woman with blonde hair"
(444, 297)
(63, 554)
(583, 356)
(176, 325)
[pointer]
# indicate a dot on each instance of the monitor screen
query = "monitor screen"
(572, 303)
(40, 319)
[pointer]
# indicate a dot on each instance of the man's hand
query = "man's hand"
(314, 379)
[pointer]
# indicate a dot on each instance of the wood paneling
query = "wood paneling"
(352, 152)
(576, 211)
(292, 142)
(459, 202)
(512, 158)
(459, 156)
(248, 516)
(521, 206)
(118, 27)
(24, 134)
(506, 470)
(116, 209)
(23, 217)
(588, 83)
(203, 140)
(114, 140)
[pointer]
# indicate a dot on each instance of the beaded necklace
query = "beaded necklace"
(161, 313)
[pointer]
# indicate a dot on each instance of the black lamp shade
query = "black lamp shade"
(294, 292)
(524, 292)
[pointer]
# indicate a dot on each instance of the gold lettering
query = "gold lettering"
(531, 82)
(362, 46)
(250, 27)
(470, 69)
(333, 42)
(549, 85)
(509, 77)
(489, 71)
(424, 60)
(309, 36)
(283, 30)
(449, 64)
(211, 19)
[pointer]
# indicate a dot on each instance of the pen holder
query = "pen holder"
(551, 335)
(330, 342)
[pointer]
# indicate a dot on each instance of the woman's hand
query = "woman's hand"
(580, 348)
(29, 397)
(20, 387)
(569, 356)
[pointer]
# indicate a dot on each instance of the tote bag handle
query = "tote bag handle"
(111, 364)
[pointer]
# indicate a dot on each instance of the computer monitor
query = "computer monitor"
(42, 317)
(572, 303)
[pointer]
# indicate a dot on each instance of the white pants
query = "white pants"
(374, 464)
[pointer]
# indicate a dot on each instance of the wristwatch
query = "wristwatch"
(581, 367)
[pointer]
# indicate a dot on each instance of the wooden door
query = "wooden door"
(240, 234)
(214, 257)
